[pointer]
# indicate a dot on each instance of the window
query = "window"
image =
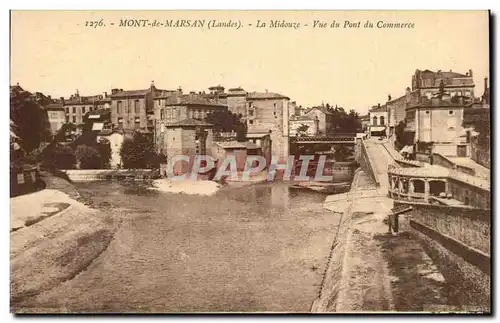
(382, 120)
(250, 121)
(250, 112)
(450, 112)
(74, 119)
(83, 110)
(119, 107)
(120, 123)
(161, 114)
(74, 109)
(67, 110)
(250, 104)
(136, 106)
(375, 120)
(427, 112)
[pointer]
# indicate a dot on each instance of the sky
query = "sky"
(55, 53)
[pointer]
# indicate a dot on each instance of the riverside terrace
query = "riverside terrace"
(422, 183)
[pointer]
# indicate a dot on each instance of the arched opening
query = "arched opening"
(375, 120)
(436, 187)
(418, 186)
(382, 120)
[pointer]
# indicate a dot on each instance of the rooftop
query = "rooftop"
(301, 118)
(265, 95)
(376, 108)
(193, 99)
(128, 93)
(54, 106)
(428, 74)
(189, 123)
(320, 108)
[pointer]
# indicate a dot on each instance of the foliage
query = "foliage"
(225, 121)
(139, 152)
(88, 157)
(104, 148)
(341, 153)
(302, 129)
(403, 138)
(344, 122)
(30, 119)
(61, 157)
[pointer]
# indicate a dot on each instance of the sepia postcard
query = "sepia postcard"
(250, 162)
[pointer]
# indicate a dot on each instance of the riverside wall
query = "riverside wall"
(458, 239)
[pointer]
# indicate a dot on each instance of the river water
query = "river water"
(256, 248)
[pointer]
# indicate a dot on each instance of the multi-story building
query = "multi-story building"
(188, 137)
(175, 107)
(427, 83)
(378, 121)
(267, 112)
(299, 123)
(134, 109)
(437, 126)
(324, 117)
(56, 115)
(396, 110)
(77, 106)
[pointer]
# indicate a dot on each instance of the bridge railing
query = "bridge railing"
(367, 163)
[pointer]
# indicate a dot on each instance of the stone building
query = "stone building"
(188, 137)
(56, 115)
(77, 106)
(378, 121)
(437, 125)
(427, 83)
(134, 109)
(267, 113)
(296, 122)
(324, 117)
(174, 107)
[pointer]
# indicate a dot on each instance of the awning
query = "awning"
(94, 116)
(377, 128)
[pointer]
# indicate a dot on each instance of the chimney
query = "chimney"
(266, 90)
(179, 90)
(114, 91)
(49, 97)
(62, 99)
(105, 94)
(378, 105)
(152, 85)
(470, 73)
(485, 83)
(389, 97)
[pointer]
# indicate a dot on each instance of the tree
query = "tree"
(60, 157)
(225, 121)
(139, 152)
(88, 157)
(403, 137)
(302, 129)
(30, 119)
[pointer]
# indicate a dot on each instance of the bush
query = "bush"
(139, 152)
(61, 157)
(104, 148)
(88, 157)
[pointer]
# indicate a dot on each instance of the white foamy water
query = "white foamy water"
(206, 188)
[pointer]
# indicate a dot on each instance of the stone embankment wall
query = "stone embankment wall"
(90, 175)
(458, 240)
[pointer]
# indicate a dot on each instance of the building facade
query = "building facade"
(77, 106)
(56, 115)
(378, 121)
(133, 109)
(299, 123)
(427, 83)
(175, 107)
(437, 125)
(323, 116)
(268, 113)
(189, 137)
